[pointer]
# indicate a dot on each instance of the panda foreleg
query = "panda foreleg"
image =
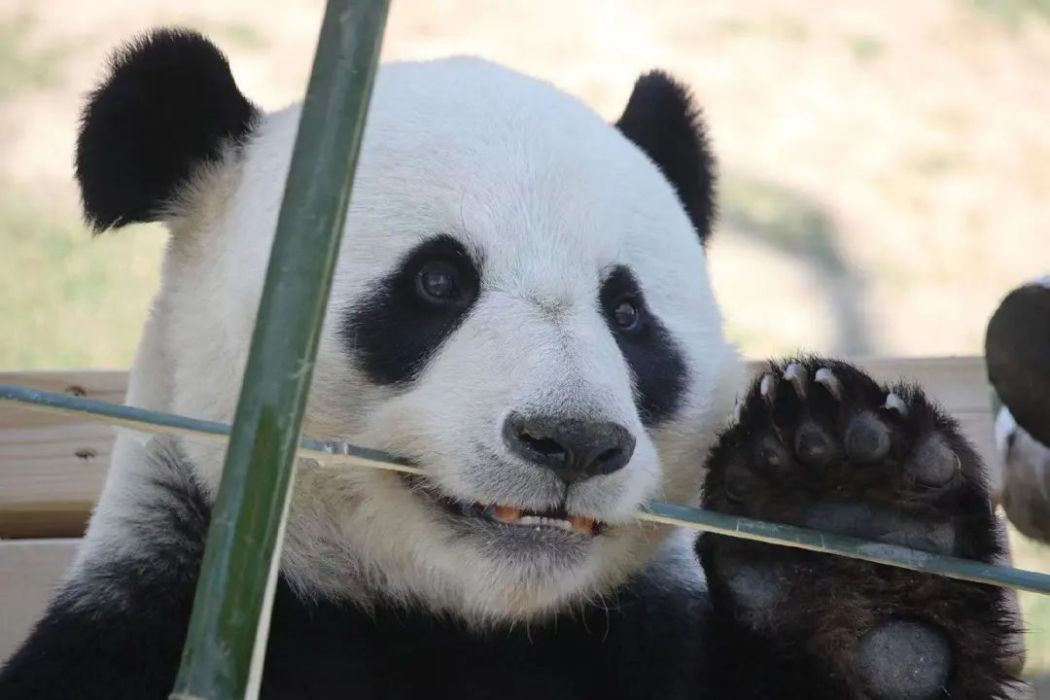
(820, 444)
(91, 652)
(115, 630)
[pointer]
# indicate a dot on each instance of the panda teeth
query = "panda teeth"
(509, 515)
(540, 521)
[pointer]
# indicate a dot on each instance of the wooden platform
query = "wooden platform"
(52, 468)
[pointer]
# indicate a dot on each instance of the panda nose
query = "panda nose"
(573, 449)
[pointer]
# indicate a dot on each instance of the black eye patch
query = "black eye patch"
(397, 328)
(651, 353)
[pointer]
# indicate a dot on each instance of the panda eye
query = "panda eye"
(436, 282)
(626, 315)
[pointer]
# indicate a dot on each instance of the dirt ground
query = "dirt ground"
(885, 166)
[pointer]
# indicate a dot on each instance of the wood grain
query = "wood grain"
(52, 466)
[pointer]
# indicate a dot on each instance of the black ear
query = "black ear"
(168, 106)
(663, 121)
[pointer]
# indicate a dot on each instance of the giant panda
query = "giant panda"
(522, 309)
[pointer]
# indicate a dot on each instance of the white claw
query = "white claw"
(765, 388)
(737, 410)
(797, 376)
(896, 403)
(829, 381)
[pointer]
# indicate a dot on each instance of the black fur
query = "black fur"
(658, 367)
(394, 331)
(662, 120)
(168, 106)
(644, 645)
(1017, 350)
(651, 639)
(850, 464)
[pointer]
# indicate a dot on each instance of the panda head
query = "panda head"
(521, 307)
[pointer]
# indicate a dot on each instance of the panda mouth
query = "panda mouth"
(520, 517)
(506, 515)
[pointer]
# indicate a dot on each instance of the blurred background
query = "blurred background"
(885, 166)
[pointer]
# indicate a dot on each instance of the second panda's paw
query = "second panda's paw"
(817, 443)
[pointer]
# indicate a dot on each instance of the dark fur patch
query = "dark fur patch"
(394, 331)
(650, 351)
(168, 105)
(642, 644)
(662, 120)
(894, 492)
(1017, 348)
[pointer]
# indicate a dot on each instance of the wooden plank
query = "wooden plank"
(52, 467)
(30, 571)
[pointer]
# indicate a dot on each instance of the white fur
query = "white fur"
(549, 196)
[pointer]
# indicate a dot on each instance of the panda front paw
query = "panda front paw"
(817, 443)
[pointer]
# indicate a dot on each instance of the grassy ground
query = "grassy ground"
(886, 163)
(69, 301)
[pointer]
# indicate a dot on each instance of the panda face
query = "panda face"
(521, 308)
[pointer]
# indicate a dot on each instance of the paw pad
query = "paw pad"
(867, 439)
(771, 455)
(934, 463)
(904, 660)
(814, 445)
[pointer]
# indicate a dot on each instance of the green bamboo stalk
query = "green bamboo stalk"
(338, 454)
(226, 638)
